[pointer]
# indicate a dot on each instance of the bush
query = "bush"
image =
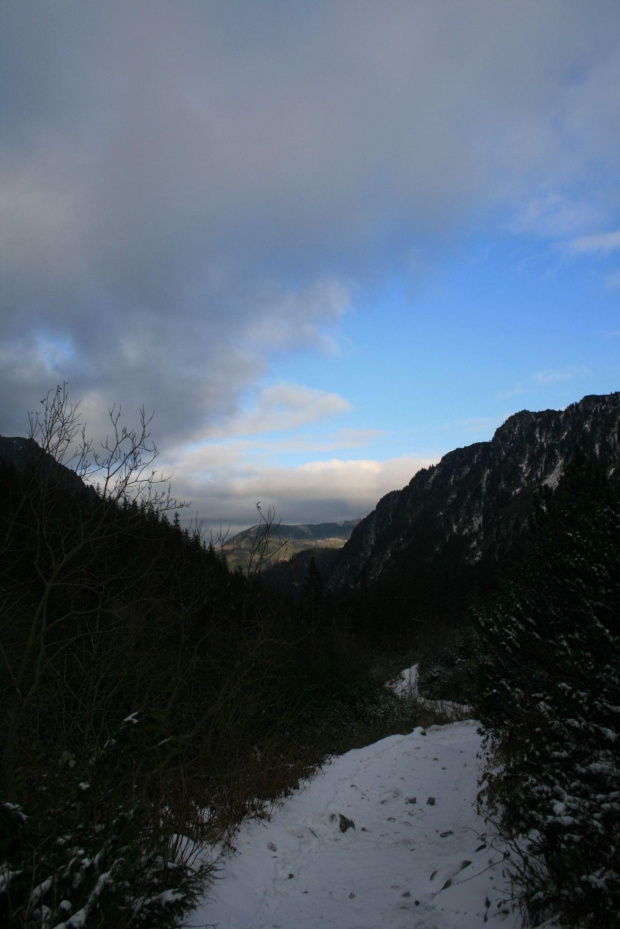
(84, 859)
(444, 665)
(548, 694)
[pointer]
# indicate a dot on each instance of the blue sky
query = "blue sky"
(324, 242)
(499, 324)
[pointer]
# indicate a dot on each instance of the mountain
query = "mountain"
(21, 453)
(285, 541)
(472, 509)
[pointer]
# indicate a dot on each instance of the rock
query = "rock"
(345, 823)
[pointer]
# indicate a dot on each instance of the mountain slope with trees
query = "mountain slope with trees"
(246, 549)
(547, 690)
(432, 550)
(149, 698)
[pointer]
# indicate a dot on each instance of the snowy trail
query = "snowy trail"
(415, 857)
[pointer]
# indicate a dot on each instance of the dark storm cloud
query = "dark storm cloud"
(188, 189)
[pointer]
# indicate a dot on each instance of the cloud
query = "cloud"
(603, 243)
(556, 215)
(546, 378)
(317, 491)
(282, 407)
(190, 191)
(325, 441)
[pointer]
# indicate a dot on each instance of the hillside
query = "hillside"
(441, 537)
(141, 682)
(146, 692)
(281, 542)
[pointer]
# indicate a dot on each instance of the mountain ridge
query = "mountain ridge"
(282, 541)
(475, 502)
(22, 453)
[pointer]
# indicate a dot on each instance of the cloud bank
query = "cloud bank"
(330, 490)
(190, 191)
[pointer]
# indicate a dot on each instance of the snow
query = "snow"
(418, 855)
(406, 685)
(554, 478)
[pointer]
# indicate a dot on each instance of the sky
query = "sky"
(323, 241)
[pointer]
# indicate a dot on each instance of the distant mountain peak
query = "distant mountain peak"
(287, 540)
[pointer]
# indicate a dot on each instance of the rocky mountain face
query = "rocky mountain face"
(474, 505)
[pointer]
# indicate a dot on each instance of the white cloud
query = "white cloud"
(282, 407)
(188, 193)
(243, 454)
(555, 214)
(317, 491)
(603, 243)
(546, 378)
(295, 317)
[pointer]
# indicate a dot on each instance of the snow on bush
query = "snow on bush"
(105, 866)
(548, 680)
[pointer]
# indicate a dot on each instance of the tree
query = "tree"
(97, 598)
(313, 603)
(62, 580)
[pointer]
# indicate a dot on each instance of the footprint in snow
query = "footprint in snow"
(445, 876)
(392, 795)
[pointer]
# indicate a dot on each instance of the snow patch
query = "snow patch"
(554, 478)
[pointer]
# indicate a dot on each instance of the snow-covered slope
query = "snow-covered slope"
(417, 856)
